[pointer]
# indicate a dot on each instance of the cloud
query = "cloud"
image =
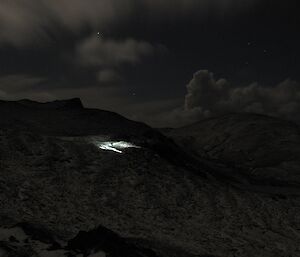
(107, 55)
(19, 82)
(204, 89)
(28, 22)
(108, 76)
(19, 23)
(95, 51)
(21, 86)
(208, 97)
(282, 100)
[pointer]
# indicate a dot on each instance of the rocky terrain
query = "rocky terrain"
(263, 149)
(192, 192)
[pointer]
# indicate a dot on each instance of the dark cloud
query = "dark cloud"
(108, 76)
(282, 100)
(20, 86)
(26, 22)
(105, 53)
(117, 71)
(204, 89)
(15, 83)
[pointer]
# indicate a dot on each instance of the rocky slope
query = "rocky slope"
(76, 199)
(264, 149)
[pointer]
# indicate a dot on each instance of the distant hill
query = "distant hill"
(66, 117)
(262, 147)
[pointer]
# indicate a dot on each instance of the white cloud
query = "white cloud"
(215, 97)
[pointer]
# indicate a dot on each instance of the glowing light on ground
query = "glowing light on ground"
(115, 146)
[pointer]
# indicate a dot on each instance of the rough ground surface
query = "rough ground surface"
(149, 201)
(264, 149)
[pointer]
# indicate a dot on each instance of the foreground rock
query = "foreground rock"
(25, 240)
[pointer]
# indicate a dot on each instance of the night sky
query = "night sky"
(167, 62)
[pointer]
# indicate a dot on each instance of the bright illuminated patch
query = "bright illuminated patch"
(115, 146)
